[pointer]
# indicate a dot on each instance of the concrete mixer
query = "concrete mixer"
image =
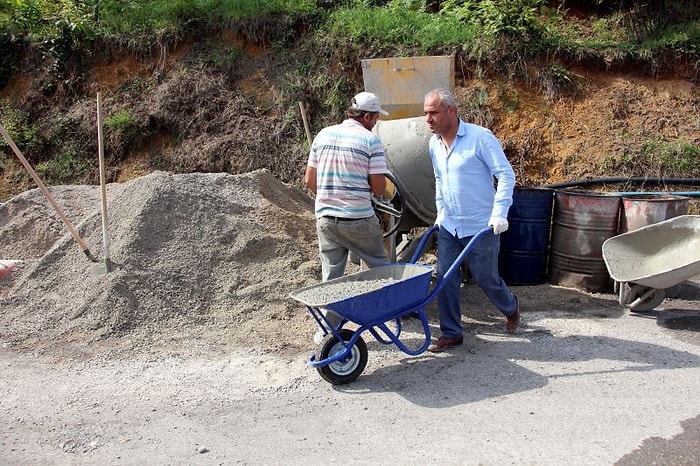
(406, 149)
(401, 83)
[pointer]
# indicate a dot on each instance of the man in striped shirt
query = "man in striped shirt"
(346, 166)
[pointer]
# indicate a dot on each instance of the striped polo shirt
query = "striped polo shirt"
(344, 155)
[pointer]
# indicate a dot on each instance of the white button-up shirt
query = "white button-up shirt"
(465, 194)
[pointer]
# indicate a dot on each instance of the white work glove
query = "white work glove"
(499, 225)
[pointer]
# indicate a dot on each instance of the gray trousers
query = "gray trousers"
(337, 237)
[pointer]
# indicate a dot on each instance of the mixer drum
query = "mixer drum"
(406, 148)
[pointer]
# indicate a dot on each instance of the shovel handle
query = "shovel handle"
(43, 189)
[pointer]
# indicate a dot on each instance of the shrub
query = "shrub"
(19, 126)
(67, 167)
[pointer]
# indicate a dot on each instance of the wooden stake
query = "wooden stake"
(306, 122)
(103, 184)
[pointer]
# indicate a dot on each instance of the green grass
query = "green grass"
(147, 16)
(18, 125)
(67, 167)
(121, 120)
(655, 156)
(395, 25)
(476, 26)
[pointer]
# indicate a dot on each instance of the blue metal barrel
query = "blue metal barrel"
(525, 245)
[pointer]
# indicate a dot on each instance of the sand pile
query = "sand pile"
(200, 263)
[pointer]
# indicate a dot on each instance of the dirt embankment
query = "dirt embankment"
(197, 118)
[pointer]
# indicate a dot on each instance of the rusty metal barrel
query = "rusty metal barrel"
(640, 210)
(525, 245)
(581, 222)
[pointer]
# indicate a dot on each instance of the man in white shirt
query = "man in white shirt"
(466, 158)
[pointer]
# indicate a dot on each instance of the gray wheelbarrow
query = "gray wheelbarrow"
(648, 261)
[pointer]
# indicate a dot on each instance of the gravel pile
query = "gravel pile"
(199, 263)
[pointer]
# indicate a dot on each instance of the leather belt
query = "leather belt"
(341, 219)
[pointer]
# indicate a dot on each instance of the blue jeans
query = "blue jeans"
(483, 266)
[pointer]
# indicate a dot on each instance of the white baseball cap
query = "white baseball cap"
(368, 102)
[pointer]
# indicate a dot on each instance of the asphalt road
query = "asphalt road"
(594, 386)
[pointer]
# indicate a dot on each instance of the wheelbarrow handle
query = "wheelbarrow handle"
(433, 229)
(458, 261)
(421, 244)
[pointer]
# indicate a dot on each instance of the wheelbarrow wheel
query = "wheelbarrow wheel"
(655, 297)
(344, 370)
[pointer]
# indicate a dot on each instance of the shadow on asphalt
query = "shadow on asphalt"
(681, 449)
(483, 366)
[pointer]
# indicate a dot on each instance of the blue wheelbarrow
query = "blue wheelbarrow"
(372, 299)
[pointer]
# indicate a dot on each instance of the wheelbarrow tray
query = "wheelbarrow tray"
(657, 256)
(373, 295)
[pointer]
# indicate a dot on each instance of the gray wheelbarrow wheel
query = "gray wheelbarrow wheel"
(655, 298)
(344, 370)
